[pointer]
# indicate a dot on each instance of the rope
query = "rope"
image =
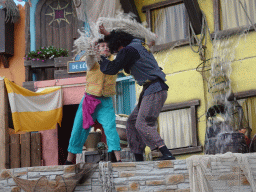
(106, 176)
(199, 166)
(199, 41)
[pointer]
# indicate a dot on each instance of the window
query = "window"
(169, 20)
(234, 14)
(125, 99)
(178, 127)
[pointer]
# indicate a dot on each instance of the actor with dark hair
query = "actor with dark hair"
(136, 59)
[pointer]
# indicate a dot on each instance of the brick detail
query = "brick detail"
(122, 188)
(70, 169)
(233, 183)
(18, 174)
(124, 165)
(155, 182)
(46, 168)
(175, 179)
(15, 189)
(127, 174)
(244, 181)
(182, 190)
(229, 176)
(5, 175)
(165, 164)
(134, 186)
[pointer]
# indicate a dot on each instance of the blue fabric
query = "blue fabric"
(105, 115)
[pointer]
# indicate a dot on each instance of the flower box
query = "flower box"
(42, 64)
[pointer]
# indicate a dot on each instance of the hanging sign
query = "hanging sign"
(76, 67)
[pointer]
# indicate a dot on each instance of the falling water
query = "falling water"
(224, 116)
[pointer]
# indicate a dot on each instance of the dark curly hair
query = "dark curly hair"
(117, 39)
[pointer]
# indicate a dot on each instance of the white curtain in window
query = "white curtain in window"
(175, 128)
(233, 14)
(170, 24)
(91, 10)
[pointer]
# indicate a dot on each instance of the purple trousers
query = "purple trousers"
(142, 123)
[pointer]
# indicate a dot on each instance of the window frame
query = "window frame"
(147, 10)
(195, 145)
(217, 23)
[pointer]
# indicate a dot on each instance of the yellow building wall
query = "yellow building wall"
(16, 70)
(180, 64)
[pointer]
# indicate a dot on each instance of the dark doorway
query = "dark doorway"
(64, 132)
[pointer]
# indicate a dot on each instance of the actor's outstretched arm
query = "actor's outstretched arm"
(125, 57)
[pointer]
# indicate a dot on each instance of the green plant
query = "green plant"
(46, 53)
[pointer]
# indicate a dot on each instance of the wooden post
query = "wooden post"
(15, 151)
(25, 149)
(35, 149)
(4, 135)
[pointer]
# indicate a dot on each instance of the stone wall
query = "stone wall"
(155, 176)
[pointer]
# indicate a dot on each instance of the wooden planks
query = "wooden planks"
(35, 149)
(25, 149)
(4, 136)
(15, 151)
(27, 28)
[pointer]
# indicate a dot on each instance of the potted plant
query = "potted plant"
(44, 57)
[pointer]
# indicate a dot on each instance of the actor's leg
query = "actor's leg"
(136, 144)
(150, 109)
(105, 115)
(78, 134)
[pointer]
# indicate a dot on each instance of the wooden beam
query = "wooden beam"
(35, 149)
(62, 61)
(216, 12)
(15, 150)
(129, 6)
(245, 94)
(4, 134)
(25, 149)
(165, 46)
(182, 105)
(231, 32)
(62, 74)
(161, 5)
(186, 150)
(29, 85)
(27, 28)
(148, 19)
(194, 125)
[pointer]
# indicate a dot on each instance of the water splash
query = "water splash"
(224, 116)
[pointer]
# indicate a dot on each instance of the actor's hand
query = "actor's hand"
(152, 43)
(103, 31)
